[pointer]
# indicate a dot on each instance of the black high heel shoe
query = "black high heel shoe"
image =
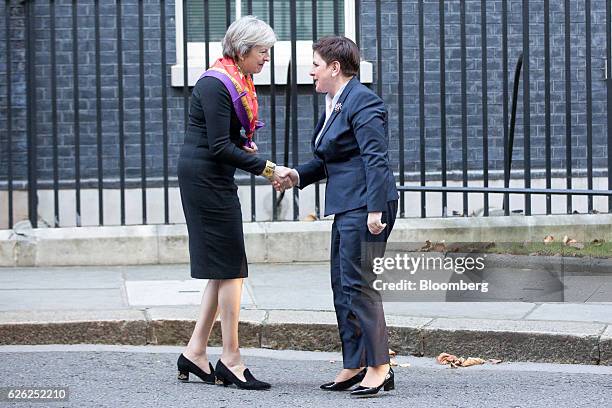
(388, 384)
(346, 384)
(185, 366)
(226, 377)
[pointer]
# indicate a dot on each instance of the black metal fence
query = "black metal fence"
(28, 35)
(509, 120)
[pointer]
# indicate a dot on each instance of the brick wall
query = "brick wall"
(390, 74)
(153, 72)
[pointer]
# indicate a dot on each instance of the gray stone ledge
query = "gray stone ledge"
(297, 241)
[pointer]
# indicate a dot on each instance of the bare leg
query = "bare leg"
(375, 375)
(196, 348)
(230, 291)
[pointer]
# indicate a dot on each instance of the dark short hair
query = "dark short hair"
(341, 49)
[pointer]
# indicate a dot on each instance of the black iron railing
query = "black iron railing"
(44, 114)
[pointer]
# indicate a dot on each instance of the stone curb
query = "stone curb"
(298, 241)
(515, 340)
(73, 327)
(508, 340)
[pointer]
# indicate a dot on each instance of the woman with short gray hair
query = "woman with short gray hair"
(223, 102)
(244, 34)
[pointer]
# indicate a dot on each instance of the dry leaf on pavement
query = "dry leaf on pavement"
(470, 361)
(455, 362)
(445, 358)
(392, 359)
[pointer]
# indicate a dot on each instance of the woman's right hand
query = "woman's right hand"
(375, 225)
(284, 178)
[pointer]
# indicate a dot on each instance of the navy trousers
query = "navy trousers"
(359, 309)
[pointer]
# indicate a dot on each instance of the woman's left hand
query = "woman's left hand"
(375, 224)
(252, 149)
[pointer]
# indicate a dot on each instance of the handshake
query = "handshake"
(284, 178)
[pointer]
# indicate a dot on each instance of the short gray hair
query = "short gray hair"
(246, 33)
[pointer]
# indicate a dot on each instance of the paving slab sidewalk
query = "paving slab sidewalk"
(285, 306)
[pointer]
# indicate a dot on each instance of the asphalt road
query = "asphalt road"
(123, 376)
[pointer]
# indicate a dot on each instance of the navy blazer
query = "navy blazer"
(353, 154)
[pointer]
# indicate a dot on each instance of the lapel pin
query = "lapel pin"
(338, 107)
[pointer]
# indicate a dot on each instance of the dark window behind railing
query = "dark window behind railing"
(261, 8)
(91, 125)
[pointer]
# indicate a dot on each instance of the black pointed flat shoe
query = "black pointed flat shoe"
(227, 377)
(186, 366)
(346, 384)
(388, 384)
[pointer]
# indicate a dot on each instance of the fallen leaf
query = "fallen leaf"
(310, 217)
(427, 246)
(455, 362)
(445, 358)
(434, 247)
(549, 239)
(470, 361)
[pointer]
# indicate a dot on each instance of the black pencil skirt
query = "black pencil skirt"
(214, 224)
